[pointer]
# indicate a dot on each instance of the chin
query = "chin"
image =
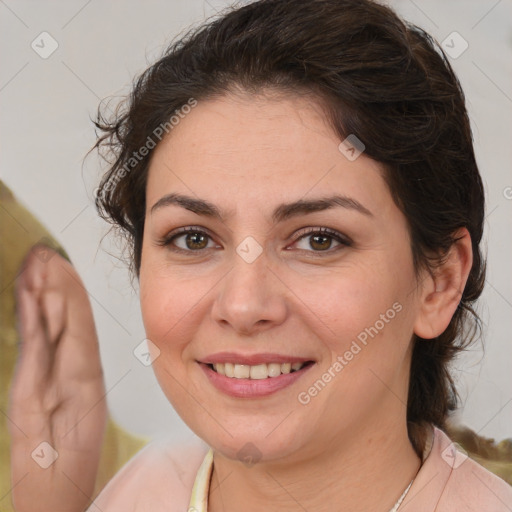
(251, 445)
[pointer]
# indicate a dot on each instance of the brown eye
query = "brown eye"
(321, 240)
(196, 241)
(188, 239)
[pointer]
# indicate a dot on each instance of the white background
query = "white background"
(46, 106)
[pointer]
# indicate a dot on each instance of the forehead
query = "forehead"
(259, 148)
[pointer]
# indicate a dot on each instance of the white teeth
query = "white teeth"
(229, 369)
(274, 369)
(259, 371)
(242, 371)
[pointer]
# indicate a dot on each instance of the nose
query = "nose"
(250, 298)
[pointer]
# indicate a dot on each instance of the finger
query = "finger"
(34, 361)
(32, 271)
(41, 318)
(78, 345)
(53, 308)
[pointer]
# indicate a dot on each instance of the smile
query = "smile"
(254, 381)
(259, 371)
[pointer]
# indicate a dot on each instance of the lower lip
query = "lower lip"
(252, 388)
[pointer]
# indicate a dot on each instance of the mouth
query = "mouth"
(254, 381)
(258, 371)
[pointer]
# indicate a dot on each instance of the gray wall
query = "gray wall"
(45, 132)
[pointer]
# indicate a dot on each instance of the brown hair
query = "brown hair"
(380, 78)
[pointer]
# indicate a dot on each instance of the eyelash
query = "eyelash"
(341, 239)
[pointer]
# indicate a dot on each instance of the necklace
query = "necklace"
(399, 502)
(394, 509)
(401, 499)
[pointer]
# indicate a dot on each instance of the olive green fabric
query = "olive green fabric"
(19, 232)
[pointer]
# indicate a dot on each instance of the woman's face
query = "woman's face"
(254, 281)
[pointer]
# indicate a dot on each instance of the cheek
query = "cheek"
(344, 303)
(165, 305)
(363, 317)
(168, 317)
(174, 306)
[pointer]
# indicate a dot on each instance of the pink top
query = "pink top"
(449, 481)
(162, 478)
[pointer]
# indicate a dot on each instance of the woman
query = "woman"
(299, 190)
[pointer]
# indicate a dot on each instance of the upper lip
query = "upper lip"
(253, 359)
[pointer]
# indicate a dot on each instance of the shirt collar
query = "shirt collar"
(199, 496)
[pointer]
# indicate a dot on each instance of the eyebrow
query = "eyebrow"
(282, 212)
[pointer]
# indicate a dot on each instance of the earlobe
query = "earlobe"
(442, 291)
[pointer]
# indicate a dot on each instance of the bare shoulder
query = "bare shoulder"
(159, 478)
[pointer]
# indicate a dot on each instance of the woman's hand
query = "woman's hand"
(57, 405)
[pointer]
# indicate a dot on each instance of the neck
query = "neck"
(366, 472)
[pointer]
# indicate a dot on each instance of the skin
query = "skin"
(247, 155)
(57, 393)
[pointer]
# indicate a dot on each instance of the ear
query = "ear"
(441, 292)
